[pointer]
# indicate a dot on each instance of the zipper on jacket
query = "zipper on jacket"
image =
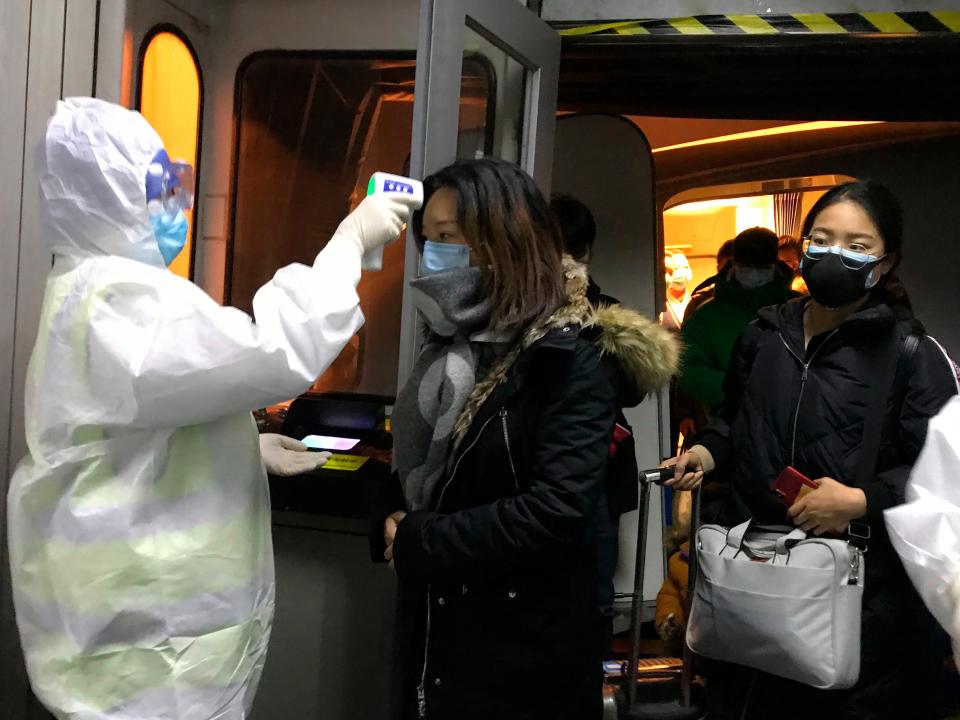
(422, 689)
(803, 384)
(459, 460)
(506, 441)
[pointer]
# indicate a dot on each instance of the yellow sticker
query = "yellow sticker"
(348, 463)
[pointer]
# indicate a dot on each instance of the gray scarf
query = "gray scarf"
(459, 349)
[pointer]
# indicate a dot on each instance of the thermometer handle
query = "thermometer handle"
(381, 182)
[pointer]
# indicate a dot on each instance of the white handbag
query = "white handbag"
(779, 602)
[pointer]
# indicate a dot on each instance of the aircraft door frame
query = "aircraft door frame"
(526, 39)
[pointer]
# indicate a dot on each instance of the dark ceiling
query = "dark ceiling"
(796, 77)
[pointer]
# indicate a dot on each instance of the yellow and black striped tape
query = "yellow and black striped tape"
(865, 22)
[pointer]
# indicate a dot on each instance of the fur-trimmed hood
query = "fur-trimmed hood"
(647, 354)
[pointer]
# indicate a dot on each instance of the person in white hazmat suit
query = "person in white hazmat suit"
(139, 521)
(925, 531)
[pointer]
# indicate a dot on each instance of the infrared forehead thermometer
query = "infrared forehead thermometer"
(381, 182)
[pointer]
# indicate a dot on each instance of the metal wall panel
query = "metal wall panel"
(46, 50)
(110, 50)
(79, 42)
(43, 91)
(14, 48)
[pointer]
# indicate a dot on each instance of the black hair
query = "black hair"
(725, 253)
(577, 226)
(755, 247)
(885, 212)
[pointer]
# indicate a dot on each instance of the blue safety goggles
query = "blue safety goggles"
(170, 185)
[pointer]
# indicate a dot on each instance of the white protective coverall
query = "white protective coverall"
(926, 530)
(139, 521)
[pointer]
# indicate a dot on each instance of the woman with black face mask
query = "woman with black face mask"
(803, 379)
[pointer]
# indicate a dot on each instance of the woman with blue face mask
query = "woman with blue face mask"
(501, 440)
(802, 382)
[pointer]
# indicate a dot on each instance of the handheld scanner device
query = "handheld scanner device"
(381, 182)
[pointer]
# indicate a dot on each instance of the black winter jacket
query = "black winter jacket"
(504, 552)
(806, 408)
(622, 491)
(498, 578)
(782, 413)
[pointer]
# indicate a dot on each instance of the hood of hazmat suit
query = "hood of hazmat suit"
(139, 519)
(926, 530)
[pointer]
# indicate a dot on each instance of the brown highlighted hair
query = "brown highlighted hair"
(511, 231)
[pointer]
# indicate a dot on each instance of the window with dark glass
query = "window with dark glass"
(312, 128)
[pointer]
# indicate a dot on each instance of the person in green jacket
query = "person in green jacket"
(755, 280)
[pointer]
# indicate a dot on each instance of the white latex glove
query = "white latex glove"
(377, 220)
(285, 456)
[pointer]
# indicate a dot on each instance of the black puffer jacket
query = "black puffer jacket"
(787, 406)
(503, 553)
(498, 578)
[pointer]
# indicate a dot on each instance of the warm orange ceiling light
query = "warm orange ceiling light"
(766, 132)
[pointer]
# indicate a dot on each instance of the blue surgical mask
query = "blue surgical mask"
(440, 257)
(171, 234)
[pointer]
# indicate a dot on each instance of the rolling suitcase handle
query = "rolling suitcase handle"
(646, 477)
(658, 476)
(686, 677)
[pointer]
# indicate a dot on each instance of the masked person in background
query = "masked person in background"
(790, 253)
(754, 281)
(502, 436)
(679, 277)
(704, 291)
(139, 522)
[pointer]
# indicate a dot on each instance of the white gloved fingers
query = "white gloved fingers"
(377, 220)
(285, 456)
(292, 444)
(307, 462)
(268, 441)
(403, 205)
(287, 463)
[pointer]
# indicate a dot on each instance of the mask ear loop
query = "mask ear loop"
(871, 285)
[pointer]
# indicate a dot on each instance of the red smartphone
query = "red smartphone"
(791, 485)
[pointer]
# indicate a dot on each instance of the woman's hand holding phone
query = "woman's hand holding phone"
(829, 508)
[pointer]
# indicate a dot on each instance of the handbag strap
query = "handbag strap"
(858, 533)
(786, 542)
(876, 415)
(736, 534)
